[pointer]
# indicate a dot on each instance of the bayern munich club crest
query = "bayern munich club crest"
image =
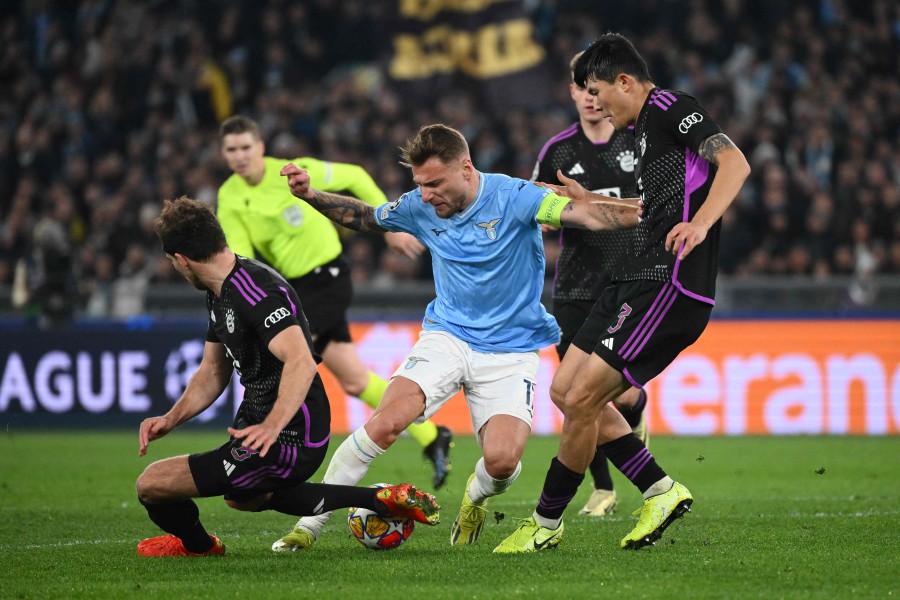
(626, 161)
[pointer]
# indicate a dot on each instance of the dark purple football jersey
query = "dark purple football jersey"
(588, 258)
(673, 182)
(255, 305)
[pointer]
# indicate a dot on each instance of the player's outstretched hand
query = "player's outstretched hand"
(569, 188)
(151, 429)
(298, 180)
(683, 238)
(259, 437)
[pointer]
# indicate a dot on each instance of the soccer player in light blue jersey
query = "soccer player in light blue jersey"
(485, 328)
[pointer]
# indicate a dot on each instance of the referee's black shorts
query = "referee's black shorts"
(639, 327)
(326, 293)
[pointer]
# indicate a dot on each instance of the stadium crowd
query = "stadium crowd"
(111, 106)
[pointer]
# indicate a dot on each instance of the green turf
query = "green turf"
(767, 523)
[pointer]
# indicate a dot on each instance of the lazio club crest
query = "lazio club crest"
(490, 228)
(412, 360)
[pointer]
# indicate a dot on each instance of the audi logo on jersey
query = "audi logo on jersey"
(276, 316)
(689, 121)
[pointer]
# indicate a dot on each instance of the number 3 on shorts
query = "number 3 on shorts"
(623, 312)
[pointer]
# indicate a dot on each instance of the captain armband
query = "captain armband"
(550, 210)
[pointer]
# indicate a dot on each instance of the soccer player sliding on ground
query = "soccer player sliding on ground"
(281, 431)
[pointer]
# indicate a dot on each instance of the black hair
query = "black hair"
(610, 55)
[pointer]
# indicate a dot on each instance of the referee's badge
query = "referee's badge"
(293, 215)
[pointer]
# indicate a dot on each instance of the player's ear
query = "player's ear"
(467, 168)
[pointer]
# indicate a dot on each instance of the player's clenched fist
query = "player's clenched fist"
(298, 180)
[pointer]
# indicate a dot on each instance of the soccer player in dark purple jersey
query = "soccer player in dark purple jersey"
(688, 172)
(280, 434)
(600, 158)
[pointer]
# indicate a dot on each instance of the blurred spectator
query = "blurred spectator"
(131, 284)
(99, 286)
(109, 107)
(394, 268)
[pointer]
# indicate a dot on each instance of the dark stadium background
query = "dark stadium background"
(108, 107)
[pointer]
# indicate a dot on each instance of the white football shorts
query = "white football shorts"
(493, 383)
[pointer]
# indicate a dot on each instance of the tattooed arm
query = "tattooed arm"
(343, 210)
(596, 212)
(733, 170)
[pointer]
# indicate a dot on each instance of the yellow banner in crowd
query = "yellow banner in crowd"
(741, 378)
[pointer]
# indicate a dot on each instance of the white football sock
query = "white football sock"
(348, 466)
(660, 487)
(484, 486)
(545, 522)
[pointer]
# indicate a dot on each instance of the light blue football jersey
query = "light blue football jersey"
(488, 264)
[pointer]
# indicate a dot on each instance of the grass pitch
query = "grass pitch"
(803, 517)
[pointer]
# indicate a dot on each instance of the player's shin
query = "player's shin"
(484, 486)
(313, 499)
(351, 460)
(348, 466)
(560, 487)
(633, 459)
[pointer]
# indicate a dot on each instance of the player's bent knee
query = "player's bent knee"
(148, 487)
(628, 398)
(501, 465)
(577, 405)
(558, 395)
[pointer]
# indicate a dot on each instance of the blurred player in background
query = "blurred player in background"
(484, 330)
(600, 158)
(262, 219)
(688, 173)
(281, 430)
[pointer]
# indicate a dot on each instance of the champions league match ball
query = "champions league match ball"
(376, 532)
